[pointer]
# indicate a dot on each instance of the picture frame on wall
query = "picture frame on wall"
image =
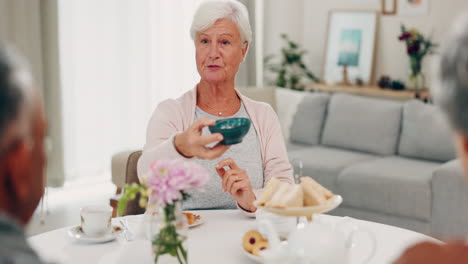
(351, 40)
(413, 7)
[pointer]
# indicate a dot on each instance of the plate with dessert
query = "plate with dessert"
(192, 219)
(253, 243)
(304, 199)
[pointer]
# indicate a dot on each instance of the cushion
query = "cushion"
(425, 133)
(363, 124)
(307, 123)
(324, 164)
(392, 185)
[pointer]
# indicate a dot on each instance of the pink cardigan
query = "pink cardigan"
(175, 116)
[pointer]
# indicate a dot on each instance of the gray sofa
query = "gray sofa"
(393, 162)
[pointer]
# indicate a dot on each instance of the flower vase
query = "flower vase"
(416, 78)
(168, 234)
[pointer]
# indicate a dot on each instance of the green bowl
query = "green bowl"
(233, 129)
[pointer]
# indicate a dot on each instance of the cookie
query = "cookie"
(250, 239)
(262, 245)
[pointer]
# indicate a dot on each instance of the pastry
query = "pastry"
(327, 193)
(270, 189)
(277, 198)
(262, 245)
(294, 197)
(314, 193)
(190, 217)
(251, 238)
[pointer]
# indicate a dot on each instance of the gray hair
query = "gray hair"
(451, 87)
(208, 12)
(15, 86)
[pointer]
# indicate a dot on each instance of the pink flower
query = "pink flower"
(169, 179)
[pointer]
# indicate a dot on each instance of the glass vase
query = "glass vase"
(168, 234)
(416, 78)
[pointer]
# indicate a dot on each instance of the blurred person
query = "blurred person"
(451, 94)
(178, 128)
(22, 156)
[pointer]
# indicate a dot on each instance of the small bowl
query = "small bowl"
(233, 129)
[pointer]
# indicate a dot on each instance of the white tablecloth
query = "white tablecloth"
(217, 240)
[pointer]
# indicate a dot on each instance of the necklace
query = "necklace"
(220, 113)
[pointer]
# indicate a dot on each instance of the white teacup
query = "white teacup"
(283, 225)
(96, 220)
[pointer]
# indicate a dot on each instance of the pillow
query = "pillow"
(364, 124)
(425, 133)
(307, 122)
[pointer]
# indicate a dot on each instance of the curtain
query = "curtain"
(30, 26)
(119, 59)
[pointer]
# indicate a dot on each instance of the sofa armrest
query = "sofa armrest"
(450, 200)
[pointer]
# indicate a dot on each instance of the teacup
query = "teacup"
(96, 220)
(283, 225)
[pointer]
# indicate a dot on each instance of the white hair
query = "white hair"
(208, 12)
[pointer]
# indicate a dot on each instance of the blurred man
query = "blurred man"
(22, 157)
(452, 96)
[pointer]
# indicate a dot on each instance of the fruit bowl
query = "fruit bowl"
(232, 129)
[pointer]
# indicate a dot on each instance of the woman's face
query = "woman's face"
(219, 51)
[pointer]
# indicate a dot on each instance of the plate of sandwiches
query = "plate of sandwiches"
(304, 199)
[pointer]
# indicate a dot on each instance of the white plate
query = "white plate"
(331, 204)
(198, 221)
(77, 233)
(251, 256)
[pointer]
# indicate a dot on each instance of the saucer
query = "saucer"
(78, 234)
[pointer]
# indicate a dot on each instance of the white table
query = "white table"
(217, 240)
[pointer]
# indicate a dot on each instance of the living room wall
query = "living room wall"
(306, 22)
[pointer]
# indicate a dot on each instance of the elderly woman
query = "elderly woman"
(451, 94)
(178, 128)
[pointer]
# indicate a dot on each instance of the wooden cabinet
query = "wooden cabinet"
(372, 91)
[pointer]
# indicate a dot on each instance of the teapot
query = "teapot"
(316, 242)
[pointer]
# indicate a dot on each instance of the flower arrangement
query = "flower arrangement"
(417, 47)
(165, 185)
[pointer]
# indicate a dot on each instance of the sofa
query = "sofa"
(393, 162)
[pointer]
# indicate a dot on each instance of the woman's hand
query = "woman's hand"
(191, 143)
(237, 183)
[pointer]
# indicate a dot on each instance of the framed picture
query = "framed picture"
(389, 7)
(350, 44)
(413, 7)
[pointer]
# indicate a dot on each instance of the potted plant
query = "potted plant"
(291, 70)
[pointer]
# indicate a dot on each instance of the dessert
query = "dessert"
(279, 194)
(276, 199)
(259, 247)
(191, 218)
(288, 195)
(251, 239)
(270, 189)
(319, 188)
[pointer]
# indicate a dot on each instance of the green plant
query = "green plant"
(291, 70)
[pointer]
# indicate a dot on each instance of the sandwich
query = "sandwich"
(314, 193)
(270, 189)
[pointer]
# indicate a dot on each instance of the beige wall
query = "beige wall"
(306, 22)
